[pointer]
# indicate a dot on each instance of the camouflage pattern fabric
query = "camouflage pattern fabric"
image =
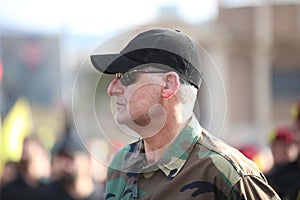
(196, 166)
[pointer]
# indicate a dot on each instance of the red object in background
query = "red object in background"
(249, 150)
(283, 133)
(117, 145)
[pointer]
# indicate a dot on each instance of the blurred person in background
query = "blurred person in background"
(72, 172)
(283, 147)
(33, 169)
(285, 178)
(101, 154)
(9, 173)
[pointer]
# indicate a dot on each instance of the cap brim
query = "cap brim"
(113, 63)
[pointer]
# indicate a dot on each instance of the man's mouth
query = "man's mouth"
(120, 105)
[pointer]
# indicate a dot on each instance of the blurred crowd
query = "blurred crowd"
(68, 171)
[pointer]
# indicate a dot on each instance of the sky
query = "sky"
(96, 16)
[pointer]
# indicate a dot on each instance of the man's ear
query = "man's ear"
(172, 83)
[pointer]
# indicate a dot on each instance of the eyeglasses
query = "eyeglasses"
(129, 78)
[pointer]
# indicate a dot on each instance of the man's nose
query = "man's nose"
(114, 87)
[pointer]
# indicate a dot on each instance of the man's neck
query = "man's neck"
(158, 144)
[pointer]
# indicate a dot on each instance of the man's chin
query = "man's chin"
(128, 121)
(121, 119)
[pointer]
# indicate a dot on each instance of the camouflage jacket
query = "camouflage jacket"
(195, 166)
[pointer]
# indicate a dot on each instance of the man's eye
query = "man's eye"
(128, 78)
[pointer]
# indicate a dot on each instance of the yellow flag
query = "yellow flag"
(1, 149)
(16, 126)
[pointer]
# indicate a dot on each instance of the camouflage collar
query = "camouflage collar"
(134, 159)
(177, 154)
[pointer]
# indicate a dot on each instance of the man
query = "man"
(157, 77)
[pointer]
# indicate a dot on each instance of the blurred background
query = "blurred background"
(254, 48)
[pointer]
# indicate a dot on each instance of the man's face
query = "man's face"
(137, 103)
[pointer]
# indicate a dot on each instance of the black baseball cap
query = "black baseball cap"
(158, 47)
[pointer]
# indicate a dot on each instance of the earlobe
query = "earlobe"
(171, 85)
